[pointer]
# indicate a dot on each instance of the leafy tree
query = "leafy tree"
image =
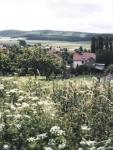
(22, 43)
(5, 64)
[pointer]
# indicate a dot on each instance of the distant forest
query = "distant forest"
(51, 35)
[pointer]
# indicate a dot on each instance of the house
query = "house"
(99, 66)
(3, 46)
(83, 58)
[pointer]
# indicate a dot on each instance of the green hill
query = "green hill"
(50, 35)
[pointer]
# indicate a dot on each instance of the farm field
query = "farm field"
(74, 114)
(70, 45)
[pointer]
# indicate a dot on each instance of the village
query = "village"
(72, 59)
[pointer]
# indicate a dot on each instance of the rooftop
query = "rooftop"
(83, 56)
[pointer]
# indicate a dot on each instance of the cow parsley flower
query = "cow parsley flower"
(18, 116)
(56, 130)
(18, 126)
(101, 148)
(48, 148)
(34, 98)
(13, 107)
(13, 90)
(24, 105)
(85, 128)
(5, 146)
(61, 146)
(31, 139)
(1, 127)
(21, 98)
(1, 87)
(41, 136)
(51, 142)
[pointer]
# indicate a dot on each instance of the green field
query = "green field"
(70, 45)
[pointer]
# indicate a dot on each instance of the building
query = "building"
(99, 66)
(83, 58)
(3, 46)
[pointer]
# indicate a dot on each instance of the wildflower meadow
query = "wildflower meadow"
(51, 115)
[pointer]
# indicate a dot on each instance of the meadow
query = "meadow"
(63, 44)
(73, 114)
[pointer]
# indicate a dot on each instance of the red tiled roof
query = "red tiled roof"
(83, 56)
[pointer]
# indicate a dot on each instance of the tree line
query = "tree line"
(24, 61)
(103, 47)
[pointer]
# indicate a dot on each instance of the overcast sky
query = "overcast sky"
(69, 15)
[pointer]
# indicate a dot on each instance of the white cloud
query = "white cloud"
(76, 15)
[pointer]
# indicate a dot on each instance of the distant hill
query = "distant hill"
(51, 35)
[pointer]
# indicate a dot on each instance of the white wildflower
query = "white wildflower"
(91, 143)
(88, 143)
(9, 116)
(92, 148)
(24, 105)
(1, 87)
(85, 128)
(52, 142)
(21, 98)
(108, 142)
(94, 79)
(17, 104)
(18, 126)
(34, 105)
(80, 148)
(7, 104)
(61, 146)
(41, 136)
(20, 91)
(7, 92)
(40, 103)
(6, 111)
(83, 142)
(0, 115)
(34, 98)
(15, 82)
(56, 130)
(5, 146)
(1, 127)
(18, 116)
(34, 112)
(31, 139)
(48, 148)
(13, 107)
(26, 116)
(101, 148)
(13, 90)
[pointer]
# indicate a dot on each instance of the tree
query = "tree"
(93, 45)
(22, 43)
(5, 64)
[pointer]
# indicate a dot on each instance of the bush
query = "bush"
(109, 69)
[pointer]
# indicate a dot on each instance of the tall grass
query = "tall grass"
(67, 115)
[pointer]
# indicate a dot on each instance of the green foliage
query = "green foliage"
(33, 61)
(109, 69)
(22, 43)
(69, 116)
(5, 65)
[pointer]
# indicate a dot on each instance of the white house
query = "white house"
(81, 58)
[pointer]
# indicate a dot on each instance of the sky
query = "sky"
(67, 15)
